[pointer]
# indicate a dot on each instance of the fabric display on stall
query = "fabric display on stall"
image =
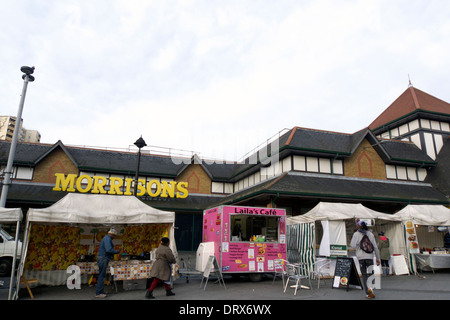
(54, 247)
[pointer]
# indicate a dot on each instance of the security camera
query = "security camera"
(28, 73)
(27, 70)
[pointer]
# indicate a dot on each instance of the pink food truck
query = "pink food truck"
(245, 240)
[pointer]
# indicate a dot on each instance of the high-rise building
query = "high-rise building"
(7, 126)
(31, 136)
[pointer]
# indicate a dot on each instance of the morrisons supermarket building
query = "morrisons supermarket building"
(403, 157)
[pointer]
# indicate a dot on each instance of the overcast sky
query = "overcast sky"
(215, 77)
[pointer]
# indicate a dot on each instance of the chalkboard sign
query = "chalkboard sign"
(346, 274)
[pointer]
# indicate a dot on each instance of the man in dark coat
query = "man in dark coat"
(161, 269)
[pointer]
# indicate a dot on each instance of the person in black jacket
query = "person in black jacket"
(447, 240)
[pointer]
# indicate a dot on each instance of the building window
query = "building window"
(405, 173)
(22, 173)
(321, 165)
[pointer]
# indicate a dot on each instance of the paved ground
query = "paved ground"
(434, 286)
(239, 298)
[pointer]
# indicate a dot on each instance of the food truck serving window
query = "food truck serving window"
(254, 228)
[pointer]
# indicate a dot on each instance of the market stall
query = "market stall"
(12, 215)
(425, 227)
(69, 232)
(324, 233)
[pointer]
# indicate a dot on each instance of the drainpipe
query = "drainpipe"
(273, 200)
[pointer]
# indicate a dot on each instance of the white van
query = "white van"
(7, 247)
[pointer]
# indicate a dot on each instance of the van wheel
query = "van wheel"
(5, 267)
(255, 277)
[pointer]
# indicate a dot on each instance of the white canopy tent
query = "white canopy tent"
(98, 209)
(340, 211)
(336, 219)
(80, 208)
(426, 215)
(12, 215)
(328, 212)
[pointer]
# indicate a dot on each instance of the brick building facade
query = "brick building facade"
(401, 158)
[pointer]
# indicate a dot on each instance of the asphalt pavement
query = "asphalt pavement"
(237, 297)
(428, 286)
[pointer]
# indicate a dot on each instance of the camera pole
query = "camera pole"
(27, 77)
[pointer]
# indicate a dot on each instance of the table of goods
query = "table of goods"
(121, 270)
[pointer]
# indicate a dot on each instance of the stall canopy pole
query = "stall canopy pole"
(13, 269)
(22, 258)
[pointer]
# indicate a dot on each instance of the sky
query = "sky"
(217, 78)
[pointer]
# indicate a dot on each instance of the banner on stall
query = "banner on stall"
(334, 239)
(411, 237)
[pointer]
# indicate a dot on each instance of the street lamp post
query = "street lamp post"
(27, 77)
(140, 143)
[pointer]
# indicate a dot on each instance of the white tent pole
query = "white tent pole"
(13, 269)
(22, 258)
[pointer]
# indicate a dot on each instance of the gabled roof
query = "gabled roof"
(343, 144)
(301, 141)
(58, 144)
(410, 101)
(195, 159)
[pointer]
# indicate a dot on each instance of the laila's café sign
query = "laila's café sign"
(119, 186)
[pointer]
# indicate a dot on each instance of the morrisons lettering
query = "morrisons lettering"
(119, 186)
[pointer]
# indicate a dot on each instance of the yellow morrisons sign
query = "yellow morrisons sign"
(119, 186)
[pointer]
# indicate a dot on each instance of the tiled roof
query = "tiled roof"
(296, 184)
(439, 177)
(326, 142)
(411, 100)
(297, 140)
